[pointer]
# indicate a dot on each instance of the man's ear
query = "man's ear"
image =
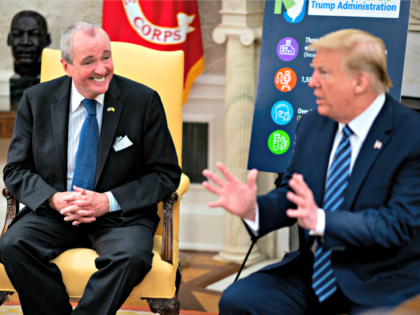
(361, 82)
(9, 40)
(66, 67)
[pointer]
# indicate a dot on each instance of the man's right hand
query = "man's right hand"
(61, 200)
(236, 197)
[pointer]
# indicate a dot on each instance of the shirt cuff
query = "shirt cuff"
(113, 203)
(320, 224)
(254, 225)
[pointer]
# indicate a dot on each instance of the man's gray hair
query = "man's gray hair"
(66, 39)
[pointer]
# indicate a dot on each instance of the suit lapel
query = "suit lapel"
(320, 155)
(60, 123)
(110, 120)
(320, 152)
(368, 154)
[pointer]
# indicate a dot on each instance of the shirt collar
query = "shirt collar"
(77, 98)
(362, 123)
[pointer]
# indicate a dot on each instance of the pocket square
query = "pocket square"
(122, 143)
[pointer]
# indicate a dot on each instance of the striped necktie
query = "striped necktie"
(323, 279)
(87, 152)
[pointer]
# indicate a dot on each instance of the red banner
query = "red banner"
(165, 25)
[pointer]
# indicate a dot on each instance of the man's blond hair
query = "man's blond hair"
(363, 53)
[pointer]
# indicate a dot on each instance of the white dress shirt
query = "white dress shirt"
(78, 114)
(360, 127)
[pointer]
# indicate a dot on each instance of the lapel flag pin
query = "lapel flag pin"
(111, 109)
(377, 145)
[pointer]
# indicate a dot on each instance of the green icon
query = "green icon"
(279, 142)
(287, 4)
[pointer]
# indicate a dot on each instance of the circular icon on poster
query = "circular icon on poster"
(285, 80)
(279, 142)
(287, 49)
(282, 112)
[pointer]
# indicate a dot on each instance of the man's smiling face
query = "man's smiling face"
(92, 67)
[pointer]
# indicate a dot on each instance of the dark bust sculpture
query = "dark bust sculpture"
(28, 37)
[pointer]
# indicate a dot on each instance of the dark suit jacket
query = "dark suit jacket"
(374, 235)
(139, 176)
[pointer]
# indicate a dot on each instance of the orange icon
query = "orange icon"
(285, 79)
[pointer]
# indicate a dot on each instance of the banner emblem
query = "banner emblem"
(154, 33)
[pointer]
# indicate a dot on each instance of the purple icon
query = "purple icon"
(287, 49)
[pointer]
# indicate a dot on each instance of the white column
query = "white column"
(411, 79)
(241, 27)
(415, 12)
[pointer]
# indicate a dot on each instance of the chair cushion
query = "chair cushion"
(77, 265)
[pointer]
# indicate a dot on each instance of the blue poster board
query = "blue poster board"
(283, 94)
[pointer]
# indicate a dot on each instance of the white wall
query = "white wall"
(201, 227)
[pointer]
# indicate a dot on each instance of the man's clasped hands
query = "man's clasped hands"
(80, 205)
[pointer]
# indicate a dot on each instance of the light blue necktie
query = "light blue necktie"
(323, 279)
(87, 153)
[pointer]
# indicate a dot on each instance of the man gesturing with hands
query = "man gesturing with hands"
(241, 199)
(350, 186)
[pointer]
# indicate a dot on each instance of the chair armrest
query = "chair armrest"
(184, 185)
(167, 228)
(11, 209)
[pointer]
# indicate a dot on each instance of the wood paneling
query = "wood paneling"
(7, 120)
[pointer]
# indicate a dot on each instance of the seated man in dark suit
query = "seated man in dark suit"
(353, 188)
(91, 157)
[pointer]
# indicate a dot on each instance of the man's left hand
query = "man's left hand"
(307, 210)
(78, 210)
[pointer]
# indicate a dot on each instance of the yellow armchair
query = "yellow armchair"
(163, 72)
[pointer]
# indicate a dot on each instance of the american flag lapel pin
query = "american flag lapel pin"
(111, 109)
(377, 145)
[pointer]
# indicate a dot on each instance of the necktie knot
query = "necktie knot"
(347, 132)
(90, 105)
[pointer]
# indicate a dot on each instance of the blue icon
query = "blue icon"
(282, 112)
(296, 13)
